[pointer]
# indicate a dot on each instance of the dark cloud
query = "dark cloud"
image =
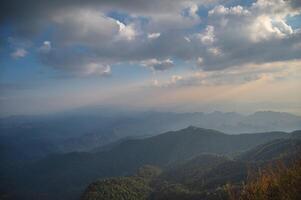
(15, 9)
(295, 3)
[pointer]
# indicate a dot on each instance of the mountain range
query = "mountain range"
(24, 138)
(65, 176)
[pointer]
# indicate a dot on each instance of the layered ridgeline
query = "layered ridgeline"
(65, 176)
(211, 177)
(32, 137)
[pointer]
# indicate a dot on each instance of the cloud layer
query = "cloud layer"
(238, 75)
(88, 38)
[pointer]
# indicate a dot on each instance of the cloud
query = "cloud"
(264, 20)
(86, 27)
(152, 31)
(153, 35)
(126, 31)
(19, 47)
(200, 61)
(183, 17)
(222, 11)
(192, 11)
(172, 82)
(19, 53)
(96, 69)
(31, 17)
(158, 65)
(46, 47)
(256, 34)
(207, 37)
(238, 75)
(72, 62)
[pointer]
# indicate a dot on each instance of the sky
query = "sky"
(172, 55)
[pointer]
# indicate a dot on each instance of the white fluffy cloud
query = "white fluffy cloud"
(158, 65)
(256, 34)
(153, 35)
(207, 37)
(46, 47)
(264, 20)
(126, 31)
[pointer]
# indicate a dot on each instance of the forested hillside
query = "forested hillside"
(213, 177)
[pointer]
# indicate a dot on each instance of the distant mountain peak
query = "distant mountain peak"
(199, 130)
(269, 112)
(192, 128)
